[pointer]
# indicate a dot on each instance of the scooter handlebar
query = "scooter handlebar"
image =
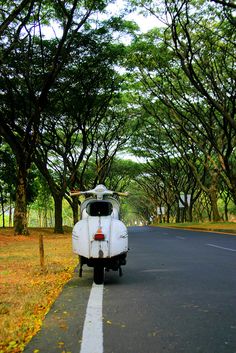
(121, 193)
(76, 192)
(100, 191)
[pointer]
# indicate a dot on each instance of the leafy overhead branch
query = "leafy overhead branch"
(230, 4)
(192, 57)
(9, 18)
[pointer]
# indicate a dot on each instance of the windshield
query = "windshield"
(99, 208)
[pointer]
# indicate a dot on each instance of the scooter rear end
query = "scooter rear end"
(100, 238)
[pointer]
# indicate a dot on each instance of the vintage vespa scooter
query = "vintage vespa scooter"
(100, 238)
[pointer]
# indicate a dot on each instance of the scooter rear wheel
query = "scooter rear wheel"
(98, 274)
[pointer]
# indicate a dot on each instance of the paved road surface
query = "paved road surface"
(177, 295)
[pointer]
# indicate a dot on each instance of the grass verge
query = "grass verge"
(213, 226)
(26, 290)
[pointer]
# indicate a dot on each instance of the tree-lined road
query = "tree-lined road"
(177, 295)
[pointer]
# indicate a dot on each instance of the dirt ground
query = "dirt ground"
(27, 290)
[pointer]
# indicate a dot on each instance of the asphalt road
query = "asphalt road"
(177, 295)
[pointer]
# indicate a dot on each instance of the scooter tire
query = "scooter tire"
(98, 274)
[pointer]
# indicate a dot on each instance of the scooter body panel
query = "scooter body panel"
(115, 237)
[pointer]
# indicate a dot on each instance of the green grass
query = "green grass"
(199, 225)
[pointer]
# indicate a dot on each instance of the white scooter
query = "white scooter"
(100, 238)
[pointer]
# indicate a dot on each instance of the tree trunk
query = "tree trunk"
(58, 228)
(75, 209)
(10, 213)
(214, 207)
(2, 206)
(190, 212)
(178, 214)
(226, 212)
(20, 213)
(168, 214)
(233, 190)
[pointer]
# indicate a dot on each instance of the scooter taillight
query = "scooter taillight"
(99, 235)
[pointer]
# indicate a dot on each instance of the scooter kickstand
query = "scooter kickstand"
(80, 271)
(80, 266)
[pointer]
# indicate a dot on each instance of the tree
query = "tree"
(30, 66)
(191, 94)
(43, 204)
(215, 81)
(7, 180)
(167, 174)
(80, 119)
(122, 174)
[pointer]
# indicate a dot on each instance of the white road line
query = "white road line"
(182, 238)
(92, 339)
(221, 247)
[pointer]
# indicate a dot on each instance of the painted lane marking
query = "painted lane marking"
(159, 270)
(221, 247)
(182, 238)
(92, 338)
